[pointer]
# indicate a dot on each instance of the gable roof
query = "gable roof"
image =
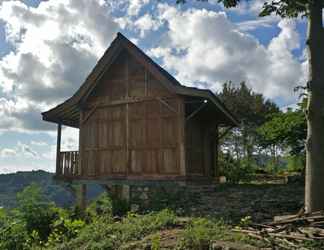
(67, 112)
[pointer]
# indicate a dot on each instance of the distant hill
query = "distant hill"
(10, 184)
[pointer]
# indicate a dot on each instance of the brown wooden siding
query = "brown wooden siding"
(201, 151)
(131, 125)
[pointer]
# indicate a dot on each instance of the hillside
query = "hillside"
(227, 216)
(10, 184)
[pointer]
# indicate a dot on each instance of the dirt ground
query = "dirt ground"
(262, 200)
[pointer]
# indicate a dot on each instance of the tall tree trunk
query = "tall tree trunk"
(314, 192)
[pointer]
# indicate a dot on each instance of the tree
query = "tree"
(313, 10)
(286, 128)
(252, 110)
(37, 213)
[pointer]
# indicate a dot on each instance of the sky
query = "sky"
(47, 48)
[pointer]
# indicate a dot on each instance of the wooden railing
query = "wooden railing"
(69, 164)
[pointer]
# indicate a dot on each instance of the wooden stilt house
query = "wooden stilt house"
(139, 124)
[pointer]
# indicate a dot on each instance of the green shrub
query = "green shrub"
(36, 213)
(236, 170)
(199, 233)
(156, 242)
(14, 236)
(120, 207)
(64, 228)
(295, 163)
(104, 233)
(102, 206)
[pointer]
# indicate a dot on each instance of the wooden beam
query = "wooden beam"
(224, 133)
(58, 149)
(166, 104)
(89, 114)
(197, 110)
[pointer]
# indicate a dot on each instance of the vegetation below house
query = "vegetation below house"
(37, 223)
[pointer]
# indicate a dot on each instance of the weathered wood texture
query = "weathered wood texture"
(69, 164)
(132, 125)
(201, 154)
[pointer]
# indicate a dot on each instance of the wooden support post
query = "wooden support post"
(58, 150)
(216, 148)
(207, 165)
(82, 197)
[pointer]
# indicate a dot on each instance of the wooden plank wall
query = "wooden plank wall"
(131, 125)
(201, 158)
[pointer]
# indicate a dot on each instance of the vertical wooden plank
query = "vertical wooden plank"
(74, 164)
(182, 142)
(58, 149)
(66, 163)
(127, 167)
(81, 135)
(61, 161)
(146, 83)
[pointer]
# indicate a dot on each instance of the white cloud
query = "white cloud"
(265, 22)
(21, 149)
(39, 143)
(70, 139)
(26, 150)
(206, 49)
(135, 6)
(55, 47)
(8, 152)
(146, 23)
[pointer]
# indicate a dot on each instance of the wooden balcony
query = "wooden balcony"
(68, 164)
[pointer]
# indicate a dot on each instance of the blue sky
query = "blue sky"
(48, 48)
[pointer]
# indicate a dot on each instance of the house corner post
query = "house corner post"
(82, 197)
(216, 153)
(58, 150)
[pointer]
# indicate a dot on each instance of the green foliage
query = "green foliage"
(253, 110)
(102, 206)
(295, 163)
(35, 211)
(200, 232)
(249, 107)
(64, 228)
(107, 234)
(156, 242)
(120, 207)
(283, 8)
(14, 236)
(236, 170)
(288, 128)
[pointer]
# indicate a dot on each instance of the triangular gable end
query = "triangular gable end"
(67, 113)
(127, 78)
(119, 47)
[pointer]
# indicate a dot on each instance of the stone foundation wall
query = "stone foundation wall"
(177, 197)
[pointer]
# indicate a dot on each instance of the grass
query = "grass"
(207, 220)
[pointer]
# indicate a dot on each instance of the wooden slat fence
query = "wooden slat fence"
(69, 162)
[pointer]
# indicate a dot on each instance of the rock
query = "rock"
(135, 208)
(222, 179)
(143, 196)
